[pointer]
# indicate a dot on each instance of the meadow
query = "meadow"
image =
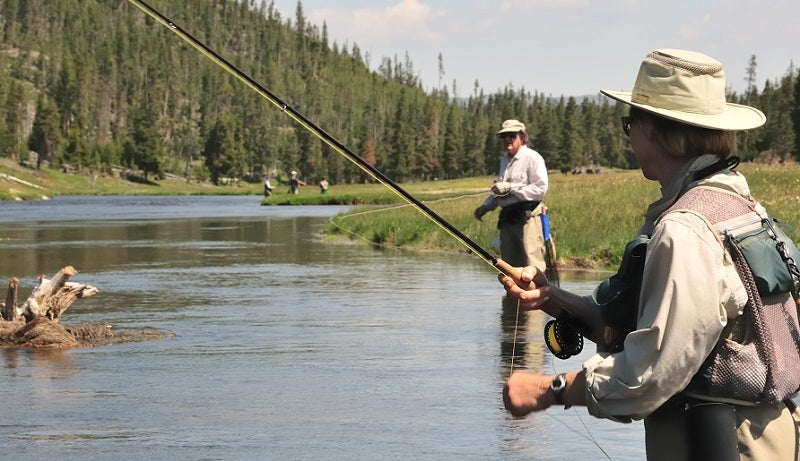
(592, 216)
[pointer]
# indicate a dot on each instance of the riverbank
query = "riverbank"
(593, 216)
(21, 182)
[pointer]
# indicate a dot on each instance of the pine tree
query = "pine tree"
(145, 150)
(453, 148)
(223, 152)
(795, 115)
(46, 133)
(14, 126)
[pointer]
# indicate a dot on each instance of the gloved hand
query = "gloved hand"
(501, 188)
(480, 211)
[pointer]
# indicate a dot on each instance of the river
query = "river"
(286, 346)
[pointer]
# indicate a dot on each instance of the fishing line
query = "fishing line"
(514, 342)
(588, 436)
(333, 219)
(340, 148)
(328, 139)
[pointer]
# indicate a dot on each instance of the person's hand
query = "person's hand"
(525, 392)
(501, 188)
(480, 211)
(531, 286)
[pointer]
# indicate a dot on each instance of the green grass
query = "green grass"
(592, 216)
(53, 182)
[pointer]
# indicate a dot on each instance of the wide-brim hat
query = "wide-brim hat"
(512, 126)
(688, 87)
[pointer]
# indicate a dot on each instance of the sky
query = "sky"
(559, 47)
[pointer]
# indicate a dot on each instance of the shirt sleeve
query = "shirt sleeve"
(686, 295)
(490, 203)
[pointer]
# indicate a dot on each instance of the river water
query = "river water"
(286, 346)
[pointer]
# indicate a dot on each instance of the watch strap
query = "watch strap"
(557, 386)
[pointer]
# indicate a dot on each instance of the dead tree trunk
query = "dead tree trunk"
(9, 310)
(35, 324)
(52, 297)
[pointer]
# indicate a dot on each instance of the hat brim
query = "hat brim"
(735, 117)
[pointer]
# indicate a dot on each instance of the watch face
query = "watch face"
(557, 386)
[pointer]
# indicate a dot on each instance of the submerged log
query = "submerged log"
(42, 332)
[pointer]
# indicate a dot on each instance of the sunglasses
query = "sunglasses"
(508, 135)
(626, 124)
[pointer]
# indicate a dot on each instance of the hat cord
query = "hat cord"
(694, 67)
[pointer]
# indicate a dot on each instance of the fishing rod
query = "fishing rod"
(339, 147)
(325, 137)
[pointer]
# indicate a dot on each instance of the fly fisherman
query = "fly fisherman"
(696, 335)
(519, 191)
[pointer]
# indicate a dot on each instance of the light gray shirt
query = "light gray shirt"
(689, 291)
(527, 173)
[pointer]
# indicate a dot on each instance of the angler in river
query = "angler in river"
(691, 335)
(519, 191)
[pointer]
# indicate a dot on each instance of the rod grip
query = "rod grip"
(511, 271)
(507, 269)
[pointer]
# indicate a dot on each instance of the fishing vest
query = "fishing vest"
(757, 358)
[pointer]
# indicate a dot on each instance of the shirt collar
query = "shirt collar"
(680, 183)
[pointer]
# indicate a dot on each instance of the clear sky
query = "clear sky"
(559, 47)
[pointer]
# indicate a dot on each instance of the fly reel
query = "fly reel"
(563, 339)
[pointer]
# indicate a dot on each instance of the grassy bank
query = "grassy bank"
(18, 182)
(592, 216)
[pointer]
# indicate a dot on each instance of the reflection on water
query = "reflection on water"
(286, 346)
(518, 326)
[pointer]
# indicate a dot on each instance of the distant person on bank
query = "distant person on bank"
(323, 186)
(519, 191)
(267, 187)
(294, 183)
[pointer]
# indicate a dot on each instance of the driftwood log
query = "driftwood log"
(35, 324)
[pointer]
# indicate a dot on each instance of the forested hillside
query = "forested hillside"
(93, 84)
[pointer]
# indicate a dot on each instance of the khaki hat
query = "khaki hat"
(512, 126)
(688, 87)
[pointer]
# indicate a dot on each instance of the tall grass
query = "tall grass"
(592, 216)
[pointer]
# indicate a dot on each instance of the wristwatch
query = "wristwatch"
(557, 386)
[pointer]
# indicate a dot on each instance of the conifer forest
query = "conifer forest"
(97, 84)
